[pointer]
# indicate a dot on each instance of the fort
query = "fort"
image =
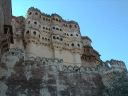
(45, 55)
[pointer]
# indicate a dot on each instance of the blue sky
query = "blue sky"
(104, 21)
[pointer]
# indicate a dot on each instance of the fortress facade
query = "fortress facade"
(45, 55)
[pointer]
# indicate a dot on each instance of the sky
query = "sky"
(104, 21)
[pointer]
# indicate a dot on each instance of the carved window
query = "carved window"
(36, 13)
(57, 28)
(78, 45)
(54, 37)
(43, 27)
(72, 44)
(57, 37)
(57, 19)
(35, 22)
(30, 13)
(27, 32)
(53, 27)
(34, 32)
(60, 29)
(71, 35)
(75, 26)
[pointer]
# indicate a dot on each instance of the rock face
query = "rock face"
(47, 77)
(40, 76)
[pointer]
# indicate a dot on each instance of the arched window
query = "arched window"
(75, 26)
(43, 18)
(72, 44)
(57, 38)
(53, 27)
(43, 27)
(57, 19)
(78, 45)
(36, 13)
(60, 29)
(27, 32)
(46, 39)
(34, 32)
(54, 37)
(57, 28)
(35, 22)
(30, 13)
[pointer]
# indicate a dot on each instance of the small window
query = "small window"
(54, 37)
(72, 44)
(27, 32)
(34, 32)
(71, 34)
(46, 28)
(57, 28)
(78, 45)
(75, 26)
(57, 38)
(39, 36)
(76, 34)
(30, 13)
(36, 13)
(35, 22)
(57, 19)
(67, 35)
(42, 37)
(43, 27)
(46, 39)
(53, 27)
(43, 18)
(60, 29)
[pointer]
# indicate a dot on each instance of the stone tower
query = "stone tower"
(5, 25)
